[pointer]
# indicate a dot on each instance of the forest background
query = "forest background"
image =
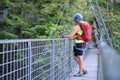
(30, 19)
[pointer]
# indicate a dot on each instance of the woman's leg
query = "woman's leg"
(79, 60)
(76, 59)
(78, 56)
(81, 63)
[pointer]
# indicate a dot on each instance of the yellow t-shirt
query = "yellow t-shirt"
(79, 41)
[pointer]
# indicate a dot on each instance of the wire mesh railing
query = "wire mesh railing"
(36, 59)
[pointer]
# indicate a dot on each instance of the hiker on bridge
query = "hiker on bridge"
(81, 37)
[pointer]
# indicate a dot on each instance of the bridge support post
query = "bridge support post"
(71, 55)
(52, 60)
(30, 61)
(64, 59)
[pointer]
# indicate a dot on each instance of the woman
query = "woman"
(79, 44)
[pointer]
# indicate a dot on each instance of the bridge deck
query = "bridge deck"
(91, 64)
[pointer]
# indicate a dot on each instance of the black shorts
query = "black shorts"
(78, 49)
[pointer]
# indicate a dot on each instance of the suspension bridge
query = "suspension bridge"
(52, 59)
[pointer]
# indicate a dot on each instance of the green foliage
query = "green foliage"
(113, 19)
(26, 34)
(114, 29)
(110, 12)
(37, 19)
(6, 35)
(53, 30)
(42, 18)
(48, 18)
(116, 8)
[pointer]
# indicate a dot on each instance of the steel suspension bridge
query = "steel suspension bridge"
(52, 59)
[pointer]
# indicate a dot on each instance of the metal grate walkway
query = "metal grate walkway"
(91, 64)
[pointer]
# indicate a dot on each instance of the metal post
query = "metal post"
(69, 58)
(64, 58)
(71, 54)
(52, 57)
(3, 60)
(30, 59)
(27, 61)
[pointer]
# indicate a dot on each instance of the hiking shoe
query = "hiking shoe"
(78, 75)
(85, 72)
(78, 72)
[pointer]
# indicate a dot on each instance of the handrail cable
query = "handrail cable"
(100, 24)
(83, 10)
(61, 14)
(62, 33)
(106, 30)
(67, 1)
(94, 13)
(102, 20)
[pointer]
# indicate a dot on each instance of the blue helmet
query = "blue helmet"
(78, 17)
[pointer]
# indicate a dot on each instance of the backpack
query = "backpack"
(87, 32)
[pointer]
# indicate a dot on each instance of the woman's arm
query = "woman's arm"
(74, 31)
